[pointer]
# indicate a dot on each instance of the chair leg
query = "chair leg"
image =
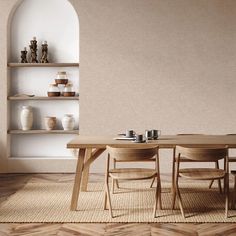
(113, 186)
(219, 186)
(114, 181)
(173, 184)
(234, 194)
(153, 180)
(226, 195)
(108, 197)
(175, 192)
(157, 197)
(173, 198)
(180, 200)
(219, 181)
(117, 184)
(105, 200)
(211, 183)
(159, 194)
(173, 175)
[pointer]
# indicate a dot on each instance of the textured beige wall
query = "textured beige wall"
(166, 64)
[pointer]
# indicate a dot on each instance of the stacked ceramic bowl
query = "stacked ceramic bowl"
(61, 86)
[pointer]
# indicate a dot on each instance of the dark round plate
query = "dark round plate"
(127, 136)
(134, 141)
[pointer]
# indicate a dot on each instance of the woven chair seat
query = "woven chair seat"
(202, 173)
(132, 173)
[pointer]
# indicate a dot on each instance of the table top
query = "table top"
(164, 141)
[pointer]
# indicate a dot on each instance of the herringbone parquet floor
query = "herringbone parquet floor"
(10, 183)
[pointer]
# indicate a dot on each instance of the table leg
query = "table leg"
(77, 181)
(85, 174)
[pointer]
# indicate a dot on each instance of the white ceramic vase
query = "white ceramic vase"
(26, 117)
(68, 122)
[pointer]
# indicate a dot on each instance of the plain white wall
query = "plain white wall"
(55, 21)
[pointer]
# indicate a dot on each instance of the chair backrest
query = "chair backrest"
(132, 154)
(198, 153)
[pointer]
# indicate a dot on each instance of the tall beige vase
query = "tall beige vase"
(26, 117)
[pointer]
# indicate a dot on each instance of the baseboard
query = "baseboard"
(41, 165)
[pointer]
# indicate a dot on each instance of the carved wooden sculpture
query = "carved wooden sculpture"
(24, 56)
(44, 56)
(33, 50)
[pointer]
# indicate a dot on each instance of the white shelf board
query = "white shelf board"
(67, 64)
(19, 98)
(41, 131)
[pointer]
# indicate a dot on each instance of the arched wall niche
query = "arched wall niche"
(57, 22)
(61, 30)
(11, 14)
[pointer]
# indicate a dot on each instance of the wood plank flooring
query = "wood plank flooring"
(10, 183)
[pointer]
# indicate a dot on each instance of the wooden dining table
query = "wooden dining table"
(91, 147)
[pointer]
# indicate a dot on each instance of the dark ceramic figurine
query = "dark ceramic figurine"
(44, 57)
(24, 56)
(33, 50)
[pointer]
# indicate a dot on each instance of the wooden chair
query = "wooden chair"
(183, 159)
(115, 181)
(133, 155)
(231, 160)
(201, 154)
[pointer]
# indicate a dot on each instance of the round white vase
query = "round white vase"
(26, 117)
(68, 122)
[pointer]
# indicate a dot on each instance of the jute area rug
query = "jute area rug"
(50, 202)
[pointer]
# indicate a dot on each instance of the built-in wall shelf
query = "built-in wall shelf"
(43, 131)
(20, 98)
(28, 84)
(16, 64)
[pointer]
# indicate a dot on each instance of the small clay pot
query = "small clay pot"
(50, 122)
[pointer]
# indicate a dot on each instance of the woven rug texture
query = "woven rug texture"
(133, 202)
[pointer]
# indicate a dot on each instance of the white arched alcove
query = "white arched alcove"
(55, 21)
